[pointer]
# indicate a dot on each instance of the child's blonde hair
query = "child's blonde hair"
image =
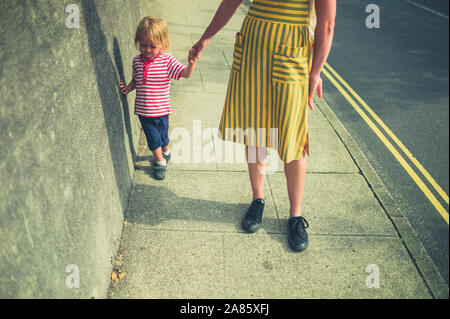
(156, 29)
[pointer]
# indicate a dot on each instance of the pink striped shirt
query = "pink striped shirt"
(152, 80)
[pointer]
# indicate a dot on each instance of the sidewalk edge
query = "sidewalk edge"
(433, 280)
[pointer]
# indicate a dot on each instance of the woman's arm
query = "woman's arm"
(323, 37)
(223, 14)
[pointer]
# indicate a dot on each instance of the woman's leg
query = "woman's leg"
(256, 161)
(295, 172)
(252, 220)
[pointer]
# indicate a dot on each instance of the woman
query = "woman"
(274, 77)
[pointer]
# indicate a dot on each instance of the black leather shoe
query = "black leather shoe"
(159, 171)
(253, 218)
(298, 237)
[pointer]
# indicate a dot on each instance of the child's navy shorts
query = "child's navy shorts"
(156, 131)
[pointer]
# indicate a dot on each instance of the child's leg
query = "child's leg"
(152, 134)
(164, 133)
(158, 155)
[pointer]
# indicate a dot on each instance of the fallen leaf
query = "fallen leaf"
(117, 274)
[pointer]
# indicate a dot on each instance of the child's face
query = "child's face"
(148, 48)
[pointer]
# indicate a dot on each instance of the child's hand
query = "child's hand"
(191, 60)
(190, 68)
(123, 88)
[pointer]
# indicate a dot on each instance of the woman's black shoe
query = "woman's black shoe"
(298, 237)
(253, 218)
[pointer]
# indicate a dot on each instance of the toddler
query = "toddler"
(152, 71)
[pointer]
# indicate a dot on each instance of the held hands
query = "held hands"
(196, 50)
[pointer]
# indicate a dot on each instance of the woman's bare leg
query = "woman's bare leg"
(295, 172)
(256, 169)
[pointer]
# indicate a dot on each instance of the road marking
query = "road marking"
(392, 135)
(427, 9)
(391, 148)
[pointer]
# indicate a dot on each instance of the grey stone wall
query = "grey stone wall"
(68, 141)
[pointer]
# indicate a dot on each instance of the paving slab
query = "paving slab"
(218, 203)
(338, 204)
(334, 267)
(193, 264)
(205, 108)
(169, 264)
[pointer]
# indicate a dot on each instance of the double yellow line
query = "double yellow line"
(337, 81)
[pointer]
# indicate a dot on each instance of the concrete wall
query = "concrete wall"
(67, 143)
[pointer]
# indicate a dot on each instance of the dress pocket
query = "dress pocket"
(290, 64)
(237, 53)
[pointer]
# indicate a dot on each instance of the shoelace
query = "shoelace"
(301, 221)
(254, 210)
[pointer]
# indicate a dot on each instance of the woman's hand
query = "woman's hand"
(315, 84)
(196, 50)
(223, 14)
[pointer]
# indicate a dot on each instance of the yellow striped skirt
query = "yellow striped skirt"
(267, 95)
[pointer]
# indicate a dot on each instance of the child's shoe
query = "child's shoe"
(159, 171)
(167, 157)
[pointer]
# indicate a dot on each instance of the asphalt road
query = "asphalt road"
(401, 71)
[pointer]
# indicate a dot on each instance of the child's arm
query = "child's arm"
(189, 69)
(125, 89)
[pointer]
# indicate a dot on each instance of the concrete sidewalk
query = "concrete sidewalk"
(183, 236)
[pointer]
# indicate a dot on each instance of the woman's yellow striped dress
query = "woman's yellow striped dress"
(267, 95)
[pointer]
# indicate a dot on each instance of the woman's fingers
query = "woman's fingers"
(311, 102)
(315, 84)
(319, 89)
(192, 54)
(196, 51)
